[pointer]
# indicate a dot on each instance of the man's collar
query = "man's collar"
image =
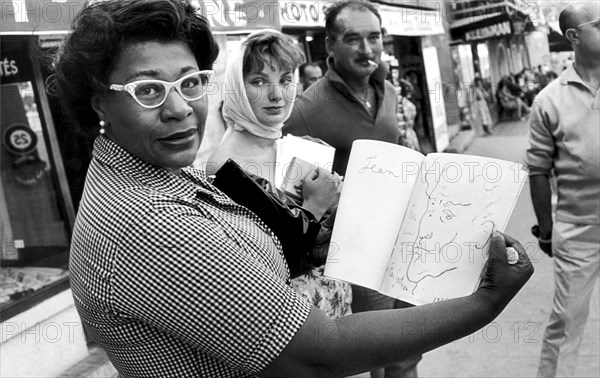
(570, 75)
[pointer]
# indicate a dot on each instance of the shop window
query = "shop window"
(34, 228)
(485, 68)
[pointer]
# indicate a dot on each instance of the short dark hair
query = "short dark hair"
(99, 34)
(286, 53)
(303, 66)
(406, 87)
(567, 18)
(332, 12)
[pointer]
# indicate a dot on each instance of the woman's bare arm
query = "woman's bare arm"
(361, 342)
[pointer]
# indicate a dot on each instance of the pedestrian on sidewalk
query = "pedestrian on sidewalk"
(407, 113)
(480, 103)
(564, 139)
(310, 73)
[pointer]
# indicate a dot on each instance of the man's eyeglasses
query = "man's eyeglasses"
(153, 93)
(593, 22)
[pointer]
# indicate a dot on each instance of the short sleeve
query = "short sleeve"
(540, 154)
(192, 277)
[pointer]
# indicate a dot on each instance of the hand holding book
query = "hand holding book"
(318, 189)
(501, 280)
(425, 221)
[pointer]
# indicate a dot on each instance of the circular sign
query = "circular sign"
(19, 139)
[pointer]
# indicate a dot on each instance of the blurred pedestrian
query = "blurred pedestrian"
(564, 139)
(407, 113)
(310, 72)
(480, 105)
(509, 99)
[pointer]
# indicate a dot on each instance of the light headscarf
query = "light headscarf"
(237, 111)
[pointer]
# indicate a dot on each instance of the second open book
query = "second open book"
(415, 227)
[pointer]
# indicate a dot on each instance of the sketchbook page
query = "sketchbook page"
(377, 187)
(291, 146)
(443, 243)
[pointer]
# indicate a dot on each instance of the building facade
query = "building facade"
(492, 40)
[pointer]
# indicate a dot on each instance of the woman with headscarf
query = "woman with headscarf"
(260, 91)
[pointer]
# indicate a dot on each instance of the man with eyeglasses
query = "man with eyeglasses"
(353, 101)
(564, 139)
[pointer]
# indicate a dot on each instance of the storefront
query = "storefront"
(305, 21)
(414, 40)
(497, 44)
(490, 46)
(42, 168)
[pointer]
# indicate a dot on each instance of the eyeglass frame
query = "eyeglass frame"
(130, 87)
(586, 23)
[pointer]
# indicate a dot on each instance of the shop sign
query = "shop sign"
(490, 31)
(226, 16)
(411, 22)
(19, 139)
(15, 65)
(303, 13)
(8, 67)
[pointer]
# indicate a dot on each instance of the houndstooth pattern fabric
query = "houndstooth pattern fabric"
(173, 278)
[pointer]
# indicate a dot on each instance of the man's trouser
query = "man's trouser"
(576, 249)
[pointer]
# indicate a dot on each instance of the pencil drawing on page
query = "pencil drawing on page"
(430, 248)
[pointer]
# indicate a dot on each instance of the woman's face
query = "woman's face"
(271, 93)
(167, 136)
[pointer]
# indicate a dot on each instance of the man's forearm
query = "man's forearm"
(541, 197)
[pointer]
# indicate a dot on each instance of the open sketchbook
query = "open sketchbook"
(417, 227)
(296, 156)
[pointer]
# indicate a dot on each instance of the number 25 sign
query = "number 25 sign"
(19, 139)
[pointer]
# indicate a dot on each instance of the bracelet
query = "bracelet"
(546, 241)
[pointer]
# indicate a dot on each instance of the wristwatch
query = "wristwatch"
(535, 231)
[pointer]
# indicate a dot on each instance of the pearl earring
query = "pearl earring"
(102, 130)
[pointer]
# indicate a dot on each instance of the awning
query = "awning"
(497, 25)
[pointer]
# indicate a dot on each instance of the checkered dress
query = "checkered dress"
(173, 278)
